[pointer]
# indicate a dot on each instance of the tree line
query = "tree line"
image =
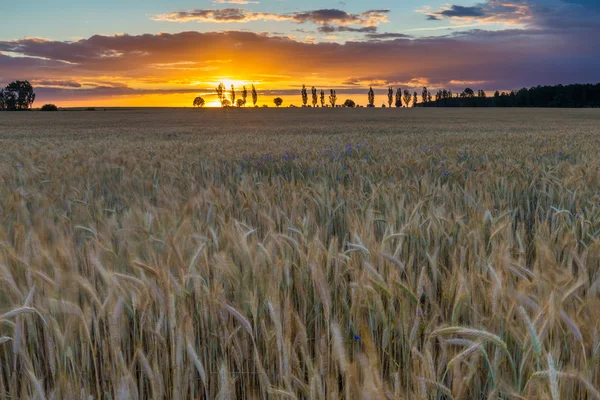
(565, 96)
(562, 96)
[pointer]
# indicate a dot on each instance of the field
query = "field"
(300, 253)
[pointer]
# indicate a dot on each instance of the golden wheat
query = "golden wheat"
(300, 254)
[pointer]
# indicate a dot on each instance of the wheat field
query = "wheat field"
(300, 254)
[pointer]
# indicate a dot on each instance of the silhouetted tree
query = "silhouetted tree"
(232, 95)
(332, 98)
(399, 98)
(313, 91)
(415, 99)
(221, 93)
(349, 103)
(278, 101)
(407, 98)
(390, 96)
(226, 103)
(244, 95)
(469, 93)
(254, 95)
(199, 102)
(304, 96)
(322, 98)
(424, 94)
(2, 100)
(429, 97)
(19, 95)
(49, 107)
(240, 103)
(371, 98)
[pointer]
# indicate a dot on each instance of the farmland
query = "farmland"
(300, 253)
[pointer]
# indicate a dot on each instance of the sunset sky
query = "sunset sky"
(164, 53)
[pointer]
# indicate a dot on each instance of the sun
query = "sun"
(238, 84)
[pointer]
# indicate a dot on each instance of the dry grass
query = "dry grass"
(252, 254)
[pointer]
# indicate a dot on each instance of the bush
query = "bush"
(49, 107)
(90, 109)
(349, 103)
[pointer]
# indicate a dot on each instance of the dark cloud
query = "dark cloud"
(320, 17)
(460, 11)
(56, 83)
(554, 14)
(433, 18)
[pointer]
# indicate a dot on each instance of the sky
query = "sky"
(165, 53)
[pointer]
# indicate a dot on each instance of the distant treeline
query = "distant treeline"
(566, 96)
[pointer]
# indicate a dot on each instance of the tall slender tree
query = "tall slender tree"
(407, 97)
(254, 95)
(371, 97)
(232, 95)
(415, 99)
(322, 98)
(332, 98)
(399, 97)
(390, 96)
(314, 96)
(244, 95)
(221, 92)
(304, 96)
(2, 100)
(424, 95)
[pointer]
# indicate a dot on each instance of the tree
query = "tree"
(199, 102)
(469, 93)
(254, 95)
(49, 107)
(278, 101)
(19, 95)
(221, 93)
(349, 103)
(304, 96)
(424, 94)
(244, 95)
(2, 100)
(232, 95)
(390, 96)
(314, 96)
(407, 98)
(226, 103)
(429, 97)
(415, 98)
(322, 98)
(332, 98)
(371, 98)
(239, 103)
(399, 97)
